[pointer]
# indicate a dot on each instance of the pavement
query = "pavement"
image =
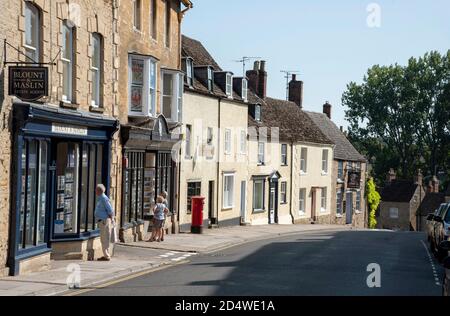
(308, 263)
(143, 257)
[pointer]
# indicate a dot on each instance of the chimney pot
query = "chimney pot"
(256, 66)
(294, 77)
(262, 66)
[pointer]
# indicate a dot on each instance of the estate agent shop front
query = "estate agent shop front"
(60, 157)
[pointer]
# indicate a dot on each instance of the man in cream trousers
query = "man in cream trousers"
(104, 214)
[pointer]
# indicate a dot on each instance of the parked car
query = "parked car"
(431, 225)
(441, 231)
(446, 282)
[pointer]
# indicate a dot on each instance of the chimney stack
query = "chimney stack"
(327, 109)
(257, 79)
(296, 91)
(392, 176)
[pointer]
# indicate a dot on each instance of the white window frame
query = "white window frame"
(97, 70)
(394, 213)
(261, 153)
(256, 184)
(325, 160)
(210, 78)
(149, 87)
(68, 45)
(243, 142)
(177, 94)
(339, 199)
(284, 154)
(302, 202)
(324, 200)
(283, 192)
(245, 90)
(32, 31)
(258, 113)
(303, 160)
(229, 84)
(189, 72)
(209, 136)
(137, 16)
(228, 141)
(228, 192)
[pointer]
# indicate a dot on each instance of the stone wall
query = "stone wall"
(88, 18)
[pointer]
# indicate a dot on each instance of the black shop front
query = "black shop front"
(149, 169)
(59, 158)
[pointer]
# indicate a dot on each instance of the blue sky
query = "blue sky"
(329, 41)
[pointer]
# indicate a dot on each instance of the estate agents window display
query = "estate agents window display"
(58, 168)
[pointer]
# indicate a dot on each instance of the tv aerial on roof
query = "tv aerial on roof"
(244, 60)
(288, 74)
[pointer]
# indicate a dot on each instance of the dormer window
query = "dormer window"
(210, 79)
(244, 90)
(229, 85)
(258, 113)
(188, 67)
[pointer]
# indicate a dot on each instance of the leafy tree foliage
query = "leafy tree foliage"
(400, 116)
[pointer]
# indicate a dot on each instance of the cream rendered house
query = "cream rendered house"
(214, 148)
(290, 159)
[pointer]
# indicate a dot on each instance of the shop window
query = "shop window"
(68, 61)
(33, 204)
(145, 176)
(79, 169)
(194, 189)
(32, 32)
(258, 195)
(142, 81)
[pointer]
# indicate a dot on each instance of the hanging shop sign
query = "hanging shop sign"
(28, 83)
(354, 180)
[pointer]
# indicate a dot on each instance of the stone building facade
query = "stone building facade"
(347, 198)
(150, 102)
(79, 111)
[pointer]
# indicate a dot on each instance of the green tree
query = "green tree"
(399, 116)
(373, 201)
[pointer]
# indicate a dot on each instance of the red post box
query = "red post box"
(197, 206)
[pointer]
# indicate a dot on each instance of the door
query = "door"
(243, 201)
(273, 203)
(349, 208)
(211, 210)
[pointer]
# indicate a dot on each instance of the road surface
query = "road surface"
(313, 263)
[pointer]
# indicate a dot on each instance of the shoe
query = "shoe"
(104, 259)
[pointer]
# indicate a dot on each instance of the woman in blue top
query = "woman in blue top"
(160, 212)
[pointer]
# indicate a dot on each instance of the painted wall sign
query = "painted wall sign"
(69, 130)
(28, 83)
(354, 180)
